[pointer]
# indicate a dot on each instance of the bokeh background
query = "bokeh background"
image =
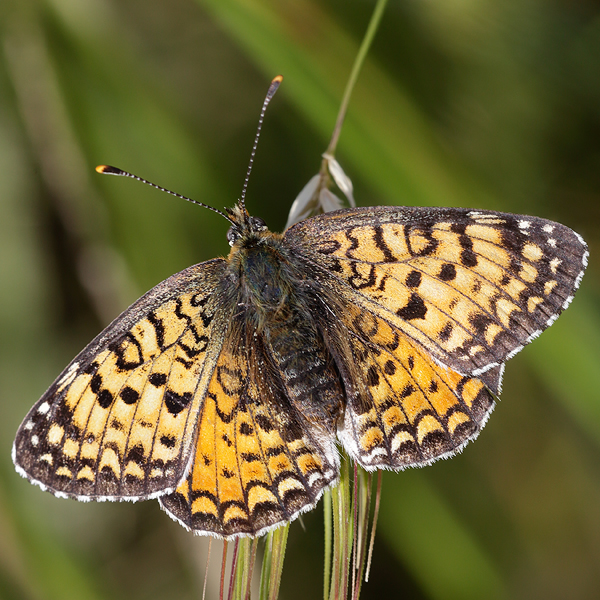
(482, 103)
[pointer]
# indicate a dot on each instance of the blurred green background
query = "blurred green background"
(489, 104)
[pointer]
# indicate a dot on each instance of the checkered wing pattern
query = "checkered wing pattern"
(258, 462)
(119, 422)
(470, 287)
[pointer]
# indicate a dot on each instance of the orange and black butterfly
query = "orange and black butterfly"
(224, 390)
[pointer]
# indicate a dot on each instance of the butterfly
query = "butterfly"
(224, 390)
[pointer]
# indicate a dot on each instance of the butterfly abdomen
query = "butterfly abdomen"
(306, 369)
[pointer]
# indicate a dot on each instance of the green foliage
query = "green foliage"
(493, 105)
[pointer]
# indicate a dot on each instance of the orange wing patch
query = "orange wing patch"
(257, 462)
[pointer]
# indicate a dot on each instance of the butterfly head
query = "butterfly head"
(244, 226)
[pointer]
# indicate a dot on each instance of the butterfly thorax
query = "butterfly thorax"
(262, 271)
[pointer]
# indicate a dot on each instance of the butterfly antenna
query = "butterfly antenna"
(270, 93)
(108, 170)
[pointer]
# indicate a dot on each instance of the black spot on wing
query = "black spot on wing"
(246, 429)
(175, 403)
(414, 309)
(96, 383)
(372, 376)
(159, 329)
(105, 398)
(361, 281)
(129, 395)
(264, 423)
(446, 332)
(158, 379)
(389, 368)
(447, 272)
(468, 258)
(127, 345)
(421, 231)
(168, 441)
(413, 279)
(388, 255)
(407, 391)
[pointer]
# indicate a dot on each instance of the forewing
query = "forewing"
(119, 421)
(258, 462)
(403, 409)
(470, 287)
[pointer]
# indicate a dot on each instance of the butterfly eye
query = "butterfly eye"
(258, 224)
(233, 234)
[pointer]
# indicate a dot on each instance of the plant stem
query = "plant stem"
(358, 62)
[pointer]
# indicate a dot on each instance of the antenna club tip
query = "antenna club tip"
(273, 87)
(108, 170)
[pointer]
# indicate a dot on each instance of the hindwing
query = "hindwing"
(402, 408)
(258, 462)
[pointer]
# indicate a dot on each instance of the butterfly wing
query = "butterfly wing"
(258, 462)
(428, 304)
(402, 408)
(119, 422)
(470, 287)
